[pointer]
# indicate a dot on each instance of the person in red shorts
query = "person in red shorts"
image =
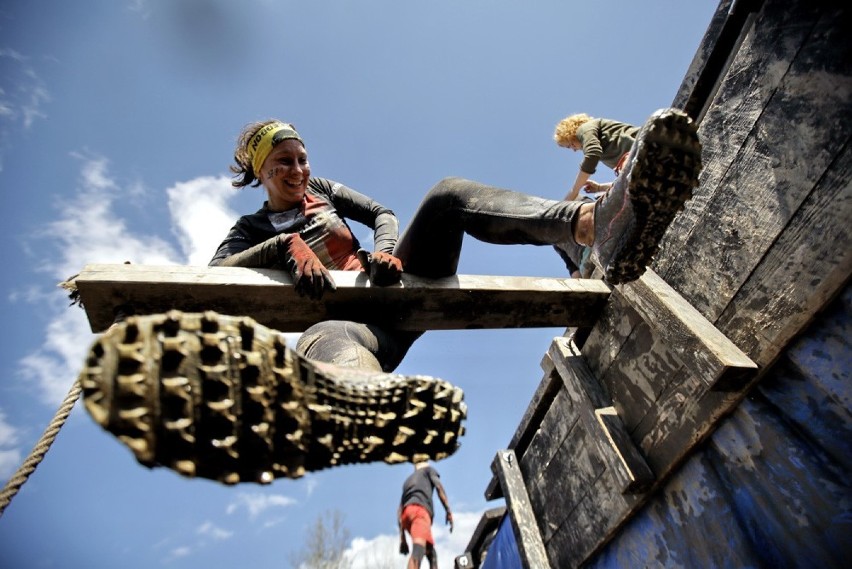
(416, 512)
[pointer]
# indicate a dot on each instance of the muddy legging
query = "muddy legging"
(430, 247)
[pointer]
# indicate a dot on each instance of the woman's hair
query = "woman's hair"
(244, 174)
(566, 129)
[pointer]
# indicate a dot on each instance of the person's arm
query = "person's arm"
(356, 206)
(286, 250)
(382, 267)
(443, 497)
(579, 182)
(592, 151)
(593, 187)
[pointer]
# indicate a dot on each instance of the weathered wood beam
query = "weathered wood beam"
(452, 303)
(607, 430)
(703, 349)
(527, 534)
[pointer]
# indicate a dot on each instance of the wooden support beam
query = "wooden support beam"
(699, 345)
(452, 303)
(527, 534)
(614, 444)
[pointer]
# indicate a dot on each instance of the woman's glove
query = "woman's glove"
(310, 276)
(383, 268)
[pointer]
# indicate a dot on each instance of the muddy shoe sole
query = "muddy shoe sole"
(663, 173)
(224, 398)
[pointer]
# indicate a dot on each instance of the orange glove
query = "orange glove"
(310, 276)
(383, 268)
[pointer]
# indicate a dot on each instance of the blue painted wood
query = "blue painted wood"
(503, 552)
(771, 487)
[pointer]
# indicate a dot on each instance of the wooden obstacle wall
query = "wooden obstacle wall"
(761, 249)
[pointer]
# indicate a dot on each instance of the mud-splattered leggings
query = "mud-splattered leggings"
(430, 247)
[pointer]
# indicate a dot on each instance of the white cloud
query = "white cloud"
(383, 550)
(182, 551)
(201, 216)
(256, 503)
(88, 231)
(209, 529)
(22, 97)
(10, 457)
(10, 461)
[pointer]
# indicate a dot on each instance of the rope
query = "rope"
(42, 446)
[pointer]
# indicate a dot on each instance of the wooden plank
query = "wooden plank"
(736, 108)
(811, 262)
(536, 410)
(458, 302)
(758, 189)
(559, 465)
(638, 472)
(609, 435)
(532, 418)
(684, 416)
(592, 523)
(527, 535)
(712, 57)
(566, 479)
(643, 372)
(615, 325)
(704, 350)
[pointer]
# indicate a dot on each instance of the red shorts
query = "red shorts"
(417, 522)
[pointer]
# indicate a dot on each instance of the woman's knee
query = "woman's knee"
(449, 189)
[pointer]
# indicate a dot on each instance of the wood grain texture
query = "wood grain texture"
(701, 347)
(527, 535)
(609, 437)
(458, 302)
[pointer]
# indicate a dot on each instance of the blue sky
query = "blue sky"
(117, 125)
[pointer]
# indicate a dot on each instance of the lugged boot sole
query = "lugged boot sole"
(224, 398)
(664, 172)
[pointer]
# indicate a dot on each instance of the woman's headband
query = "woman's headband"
(262, 143)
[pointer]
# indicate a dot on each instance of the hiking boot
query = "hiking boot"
(632, 216)
(224, 398)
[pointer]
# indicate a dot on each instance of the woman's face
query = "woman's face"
(285, 174)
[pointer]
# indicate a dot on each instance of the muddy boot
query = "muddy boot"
(633, 215)
(224, 398)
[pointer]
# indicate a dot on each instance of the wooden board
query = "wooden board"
(761, 249)
(458, 302)
(527, 534)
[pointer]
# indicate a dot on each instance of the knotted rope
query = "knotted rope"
(40, 449)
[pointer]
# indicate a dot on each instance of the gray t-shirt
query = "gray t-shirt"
(418, 488)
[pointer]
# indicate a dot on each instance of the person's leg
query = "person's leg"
(353, 344)
(630, 219)
(225, 398)
(419, 525)
(418, 550)
(432, 555)
(431, 244)
(625, 225)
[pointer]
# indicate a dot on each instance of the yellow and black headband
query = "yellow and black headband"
(262, 143)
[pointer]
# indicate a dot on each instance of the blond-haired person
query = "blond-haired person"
(601, 140)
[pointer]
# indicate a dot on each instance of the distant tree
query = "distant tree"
(326, 541)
